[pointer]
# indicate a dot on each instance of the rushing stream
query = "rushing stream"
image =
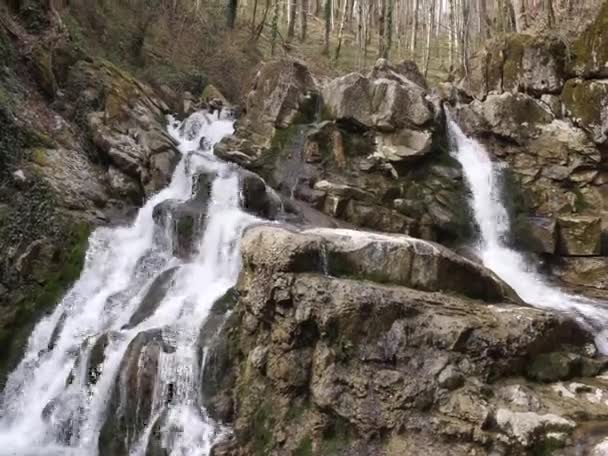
(50, 405)
(483, 179)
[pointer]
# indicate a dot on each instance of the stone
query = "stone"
(553, 367)
(544, 234)
(282, 90)
(450, 378)
(257, 198)
(590, 50)
(404, 145)
(586, 102)
(393, 259)
(385, 104)
(579, 235)
(178, 225)
(124, 186)
(153, 297)
(528, 428)
(583, 271)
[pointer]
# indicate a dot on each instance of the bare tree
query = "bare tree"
(304, 20)
(414, 29)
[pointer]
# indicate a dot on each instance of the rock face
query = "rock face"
(332, 340)
(376, 157)
(282, 90)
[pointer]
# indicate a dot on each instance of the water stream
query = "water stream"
(483, 179)
(50, 406)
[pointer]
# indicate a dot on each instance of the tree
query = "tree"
(304, 21)
(231, 12)
(328, 8)
(414, 29)
(341, 30)
(549, 13)
(291, 24)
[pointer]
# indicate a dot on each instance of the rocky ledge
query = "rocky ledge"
(346, 342)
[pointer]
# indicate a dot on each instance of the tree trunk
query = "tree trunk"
(429, 33)
(549, 13)
(381, 31)
(414, 30)
(388, 30)
(291, 25)
(521, 20)
(341, 30)
(255, 10)
(304, 20)
(328, 8)
(275, 27)
(452, 37)
(231, 13)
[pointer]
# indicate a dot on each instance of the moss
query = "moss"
(591, 49)
(585, 100)
(263, 422)
(336, 438)
(53, 282)
(304, 448)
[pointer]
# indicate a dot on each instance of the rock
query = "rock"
(257, 198)
(130, 402)
(586, 102)
(124, 186)
(78, 183)
(406, 261)
(515, 116)
(405, 69)
(179, 225)
(591, 48)
(282, 90)
(404, 145)
(213, 98)
(42, 64)
(579, 235)
(553, 367)
(583, 271)
(384, 104)
(450, 378)
(529, 428)
(544, 234)
(153, 297)
(519, 62)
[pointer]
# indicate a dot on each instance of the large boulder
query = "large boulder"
(590, 50)
(130, 405)
(381, 103)
(587, 104)
(519, 62)
(336, 345)
(400, 260)
(283, 90)
(580, 235)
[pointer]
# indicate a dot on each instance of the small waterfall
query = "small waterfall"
(57, 399)
(482, 177)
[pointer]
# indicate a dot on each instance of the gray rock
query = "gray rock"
(579, 235)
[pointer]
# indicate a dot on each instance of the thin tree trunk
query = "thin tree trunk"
(341, 30)
(304, 21)
(414, 30)
(549, 13)
(255, 10)
(291, 25)
(381, 30)
(275, 27)
(521, 20)
(231, 13)
(452, 37)
(429, 33)
(388, 30)
(327, 25)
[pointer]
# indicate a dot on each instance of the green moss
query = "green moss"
(336, 439)
(304, 448)
(53, 281)
(262, 429)
(585, 100)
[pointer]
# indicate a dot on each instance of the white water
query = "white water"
(121, 264)
(482, 177)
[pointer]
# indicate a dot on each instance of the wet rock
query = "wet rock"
(153, 297)
(124, 186)
(257, 197)
(553, 367)
(130, 404)
(544, 233)
(579, 235)
(179, 224)
(392, 259)
(586, 272)
(529, 428)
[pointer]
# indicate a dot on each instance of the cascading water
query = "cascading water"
(482, 177)
(50, 405)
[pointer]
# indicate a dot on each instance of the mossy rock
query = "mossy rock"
(590, 51)
(586, 101)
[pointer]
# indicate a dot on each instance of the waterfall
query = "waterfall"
(53, 402)
(482, 177)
